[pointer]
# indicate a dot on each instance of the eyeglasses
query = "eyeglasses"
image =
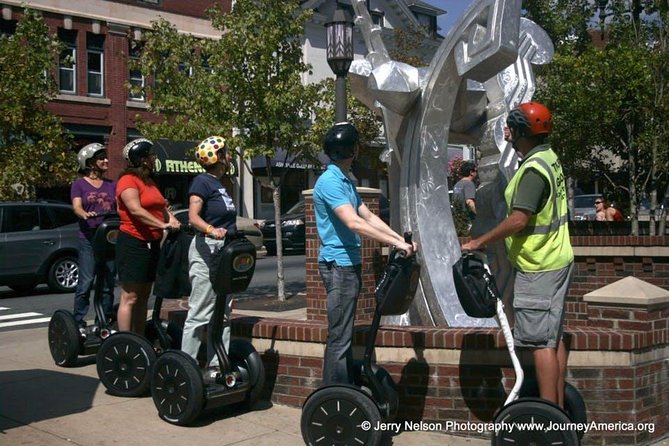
(599, 202)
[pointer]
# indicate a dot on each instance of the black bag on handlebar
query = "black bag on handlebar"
(396, 289)
(475, 286)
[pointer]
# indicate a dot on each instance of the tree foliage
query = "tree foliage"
(609, 94)
(33, 148)
(249, 79)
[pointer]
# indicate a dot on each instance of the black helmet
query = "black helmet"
(340, 141)
(135, 150)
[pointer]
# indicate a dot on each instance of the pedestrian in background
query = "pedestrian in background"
(212, 213)
(606, 212)
(341, 219)
(464, 191)
(144, 216)
(538, 246)
(93, 196)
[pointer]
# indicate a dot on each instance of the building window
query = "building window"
(428, 22)
(377, 17)
(135, 77)
(67, 62)
(7, 28)
(95, 70)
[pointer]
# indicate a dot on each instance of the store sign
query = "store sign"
(175, 158)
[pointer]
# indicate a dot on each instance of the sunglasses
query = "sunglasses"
(598, 202)
(100, 157)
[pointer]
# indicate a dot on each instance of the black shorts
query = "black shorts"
(136, 260)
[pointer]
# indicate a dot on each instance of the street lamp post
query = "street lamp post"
(340, 55)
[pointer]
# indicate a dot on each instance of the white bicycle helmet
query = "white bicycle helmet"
(88, 152)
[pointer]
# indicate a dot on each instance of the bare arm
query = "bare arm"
(374, 220)
(195, 204)
(79, 211)
(130, 198)
(362, 227)
(512, 224)
(471, 204)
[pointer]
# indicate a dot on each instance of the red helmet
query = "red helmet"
(531, 119)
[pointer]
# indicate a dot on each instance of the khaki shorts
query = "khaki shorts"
(538, 305)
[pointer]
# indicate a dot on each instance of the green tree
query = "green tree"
(250, 79)
(33, 147)
(610, 100)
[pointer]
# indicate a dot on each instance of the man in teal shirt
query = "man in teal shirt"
(341, 219)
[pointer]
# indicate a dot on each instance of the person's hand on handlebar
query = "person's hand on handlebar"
(408, 248)
(173, 224)
(473, 245)
(218, 233)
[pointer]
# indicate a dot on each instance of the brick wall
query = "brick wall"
(371, 262)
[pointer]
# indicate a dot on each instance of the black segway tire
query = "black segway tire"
(340, 415)
(574, 404)
(177, 388)
(544, 424)
(387, 383)
(124, 364)
(64, 339)
(247, 360)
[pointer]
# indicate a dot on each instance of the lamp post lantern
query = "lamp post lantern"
(339, 56)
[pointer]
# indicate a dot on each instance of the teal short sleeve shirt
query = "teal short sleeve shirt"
(338, 243)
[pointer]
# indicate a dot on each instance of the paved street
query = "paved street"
(34, 309)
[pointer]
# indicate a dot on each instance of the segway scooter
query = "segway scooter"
(179, 391)
(479, 297)
(125, 360)
(343, 413)
(66, 343)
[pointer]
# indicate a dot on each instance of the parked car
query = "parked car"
(38, 244)
(584, 207)
(249, 226)
(293, 231)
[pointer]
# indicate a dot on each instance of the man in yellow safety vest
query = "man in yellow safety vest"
(537, 241)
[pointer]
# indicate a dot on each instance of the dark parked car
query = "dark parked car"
(292, 227)
(292, 230)
(38, 244)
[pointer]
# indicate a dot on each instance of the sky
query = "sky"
(454, 8)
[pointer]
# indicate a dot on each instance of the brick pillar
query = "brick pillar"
(371, 258)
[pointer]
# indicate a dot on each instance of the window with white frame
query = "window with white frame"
(135, 77)
(67, 62)
(96, 62)
(377, 17)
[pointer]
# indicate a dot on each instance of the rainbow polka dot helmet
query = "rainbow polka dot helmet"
(206, 153)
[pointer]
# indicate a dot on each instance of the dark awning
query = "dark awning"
(280, 160)
(178, 158)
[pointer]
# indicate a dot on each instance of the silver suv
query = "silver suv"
(38, 244)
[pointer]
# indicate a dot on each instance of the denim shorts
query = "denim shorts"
(136, 260)
(538, 305)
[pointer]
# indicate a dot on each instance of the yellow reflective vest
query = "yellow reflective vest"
(544, 244)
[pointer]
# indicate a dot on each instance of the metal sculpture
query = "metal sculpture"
(482, 69)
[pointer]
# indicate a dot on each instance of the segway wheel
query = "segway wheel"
(543, 423)
(64, 339)
(247, 360)
(340, 415)
(573, 401)
(124, 364)
(387, 383)
(177, 388)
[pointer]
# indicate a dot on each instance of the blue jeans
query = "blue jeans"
(342, 284)
(87, 281)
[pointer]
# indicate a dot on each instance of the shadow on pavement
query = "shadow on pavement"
(34, 395)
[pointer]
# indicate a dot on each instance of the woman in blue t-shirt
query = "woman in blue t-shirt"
(211, 213)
